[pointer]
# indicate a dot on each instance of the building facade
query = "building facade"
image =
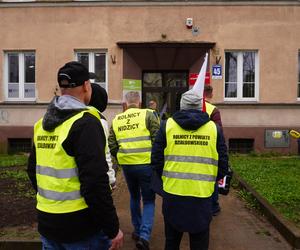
(253, 66)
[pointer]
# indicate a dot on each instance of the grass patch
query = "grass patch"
(20, 233)
(274, 177)
(19, 175)
(249, 199)
(13, 160)
(13, 167)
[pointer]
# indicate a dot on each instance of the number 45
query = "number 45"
(217, 71)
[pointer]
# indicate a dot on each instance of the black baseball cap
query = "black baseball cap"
(73, 74)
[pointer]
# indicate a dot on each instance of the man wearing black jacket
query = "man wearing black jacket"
(215, 116)
(68, 169)
(188, 156)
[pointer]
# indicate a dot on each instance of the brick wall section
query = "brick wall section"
(13, 132)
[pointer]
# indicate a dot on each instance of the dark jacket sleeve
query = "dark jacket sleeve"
(31, 168)
(216, 117)
(86, 142)
(112, 142)
(157, 160)
(223, 155)
(152, 124)
(157, 155)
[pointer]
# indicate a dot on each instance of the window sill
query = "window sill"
(18, 102)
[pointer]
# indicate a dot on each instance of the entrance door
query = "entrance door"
(164, 87)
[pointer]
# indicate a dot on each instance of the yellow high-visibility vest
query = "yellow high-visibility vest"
(209, 108)
(191, 160)
(133, 137)
(56, 171)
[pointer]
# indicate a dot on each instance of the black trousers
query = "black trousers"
(198, 241)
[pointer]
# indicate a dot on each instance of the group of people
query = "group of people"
(70, 167)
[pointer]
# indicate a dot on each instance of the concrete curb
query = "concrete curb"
(288, 230)
(20, 245)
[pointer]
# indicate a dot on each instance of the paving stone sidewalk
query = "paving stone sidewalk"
(235, 228)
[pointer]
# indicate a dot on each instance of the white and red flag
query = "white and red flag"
(199, 84)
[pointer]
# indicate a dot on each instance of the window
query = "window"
(243, 146)
(20, 76)
(95, 62)
(298, 75)
(241, 76)
(19, 145)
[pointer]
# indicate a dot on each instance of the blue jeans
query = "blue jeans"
(99, 241)
(138, 178)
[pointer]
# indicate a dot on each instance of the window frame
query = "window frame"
(164, 89)
(91, 55)
(21, 70)
(240, 97)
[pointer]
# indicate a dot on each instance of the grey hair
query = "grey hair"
(132, 97)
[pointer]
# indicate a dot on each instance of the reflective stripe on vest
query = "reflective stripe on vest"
(140, 138)
(209, 108)
(56, 171)
(133, 137)
(59, 196)
(181, 158)
(186, 176)
(191, 160)
(134, 150)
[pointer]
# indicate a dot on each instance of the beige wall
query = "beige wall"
(260, 116)
(231, 116)
(18, 115)
(54, 32)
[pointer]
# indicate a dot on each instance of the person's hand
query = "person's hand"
(117, 242)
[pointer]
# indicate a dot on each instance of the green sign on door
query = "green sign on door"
(132, 85)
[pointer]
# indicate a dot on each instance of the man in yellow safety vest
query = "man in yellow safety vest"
(130, 141)
(68, 169)
(215, 116)
(212, 111)
(189, 154)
